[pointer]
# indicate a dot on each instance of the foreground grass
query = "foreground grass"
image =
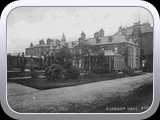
(43, 84)
(138, 100)
(134, 94)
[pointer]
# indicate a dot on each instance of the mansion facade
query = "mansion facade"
(45, 48)
(130, 46)
(142, 34)
(118, 51)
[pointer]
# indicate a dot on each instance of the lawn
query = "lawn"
(138, 100)
(43, 84)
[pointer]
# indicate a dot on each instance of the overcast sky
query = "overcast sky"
(30, 24)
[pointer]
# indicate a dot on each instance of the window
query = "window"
(73, 62)
(136, 62)
(131, 63)
(90, 51)
(80, 51)
(110, 39)
(115, 49)
(132, 51)
(74, 51)
(80, 63)
(138, 52)
(143, 63)
(98, 40)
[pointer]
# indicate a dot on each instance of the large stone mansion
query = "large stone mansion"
(130, 46)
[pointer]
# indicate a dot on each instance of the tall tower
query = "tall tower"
(63, 40)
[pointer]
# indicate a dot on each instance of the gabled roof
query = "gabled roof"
(82, 43)
(129, 31)
(42, 45)
(145, 28)
(118, 38)
(72, 44)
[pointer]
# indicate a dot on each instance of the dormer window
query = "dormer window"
(98, 40)
(73, 44)
(110, 39)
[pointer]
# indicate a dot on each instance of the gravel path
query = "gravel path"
(76, 98)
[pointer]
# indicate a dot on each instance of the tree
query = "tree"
(54, 73)
(101, 60)
(88, 51)
(102, 65)
(64, 57)
(62, 68)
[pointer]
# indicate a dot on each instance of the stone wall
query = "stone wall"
(147, 43)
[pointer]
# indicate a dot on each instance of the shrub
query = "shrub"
(113, 73)
(33, 72)
(135, 69)
(72, 72)
(101, 69)
(106, 68)
(98, 70)
(64, 57)
(54, 72)
(127, 70)
(39, 68)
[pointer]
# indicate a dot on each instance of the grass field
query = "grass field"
(138, 100)
(125, 95)
(43, 84)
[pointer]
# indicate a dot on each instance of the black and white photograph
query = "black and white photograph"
(80, 59)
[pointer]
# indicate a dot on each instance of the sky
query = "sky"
(31, 24)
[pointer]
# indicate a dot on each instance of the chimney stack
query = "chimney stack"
(101, 33)
(83, 35)
(31, 45)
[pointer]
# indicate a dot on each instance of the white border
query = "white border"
(146, 5)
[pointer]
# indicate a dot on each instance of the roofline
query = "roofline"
(37, 46)
(117, 43)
